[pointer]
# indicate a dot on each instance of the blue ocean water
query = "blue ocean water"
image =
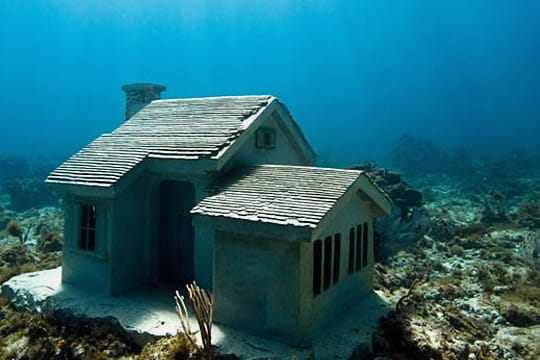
(355, 74)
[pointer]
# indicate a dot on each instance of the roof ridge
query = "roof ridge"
(352, 171)
(265, 96)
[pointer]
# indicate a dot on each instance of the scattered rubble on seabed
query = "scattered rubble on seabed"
(470, 288)
(464, 285)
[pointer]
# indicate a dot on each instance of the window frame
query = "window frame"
(265, 138)
(74, 223)
(87, 228)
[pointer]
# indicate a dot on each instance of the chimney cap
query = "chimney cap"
(143, 86)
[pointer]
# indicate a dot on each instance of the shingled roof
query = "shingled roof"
(168, 129)
(279, 194)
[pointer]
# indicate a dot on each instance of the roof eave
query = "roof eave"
(381, 204)
(181, 166)
(227, 152)
(303, 145)
(81, 189)
(95, 189)
(254, 228)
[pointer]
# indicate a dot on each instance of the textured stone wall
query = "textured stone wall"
(256, 285)
(139, 95)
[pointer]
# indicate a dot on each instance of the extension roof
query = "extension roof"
(178, 129)
(286, 195)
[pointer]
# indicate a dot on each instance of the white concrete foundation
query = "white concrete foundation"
(150, 314)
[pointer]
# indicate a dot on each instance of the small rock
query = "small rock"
(502, 289)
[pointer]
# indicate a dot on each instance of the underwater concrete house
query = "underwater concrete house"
(219, 190)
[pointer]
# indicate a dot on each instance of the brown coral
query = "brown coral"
(13, 228)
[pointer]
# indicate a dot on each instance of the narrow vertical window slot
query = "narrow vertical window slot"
(317, 263)
(365, 245)
(327, 274)
(358, 247)
(83, 227)
(337, 258)
(351, 251)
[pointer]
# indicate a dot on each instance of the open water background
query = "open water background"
(355, 74)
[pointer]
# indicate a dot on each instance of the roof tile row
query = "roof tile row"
(279, 194)
(175, 129)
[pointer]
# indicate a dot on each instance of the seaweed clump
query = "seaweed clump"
(50, 241)
(171, 348)
(528, 214)
(26, 335)
(15, 259)
(14, 228)
(529, 250)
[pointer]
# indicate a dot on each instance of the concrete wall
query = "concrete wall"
(131, 234)
(256, 285)
(204, 256)
(206, 227)
(148, 216)
(330, 304)
(128, 253)
(81, 267)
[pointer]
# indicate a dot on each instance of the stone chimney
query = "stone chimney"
(139, 95)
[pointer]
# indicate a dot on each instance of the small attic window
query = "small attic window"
(265, 138)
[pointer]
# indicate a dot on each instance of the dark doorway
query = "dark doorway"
(176, 232)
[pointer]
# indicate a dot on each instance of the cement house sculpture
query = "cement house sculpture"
(220, 190)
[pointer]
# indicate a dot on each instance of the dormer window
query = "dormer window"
(265, 138)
